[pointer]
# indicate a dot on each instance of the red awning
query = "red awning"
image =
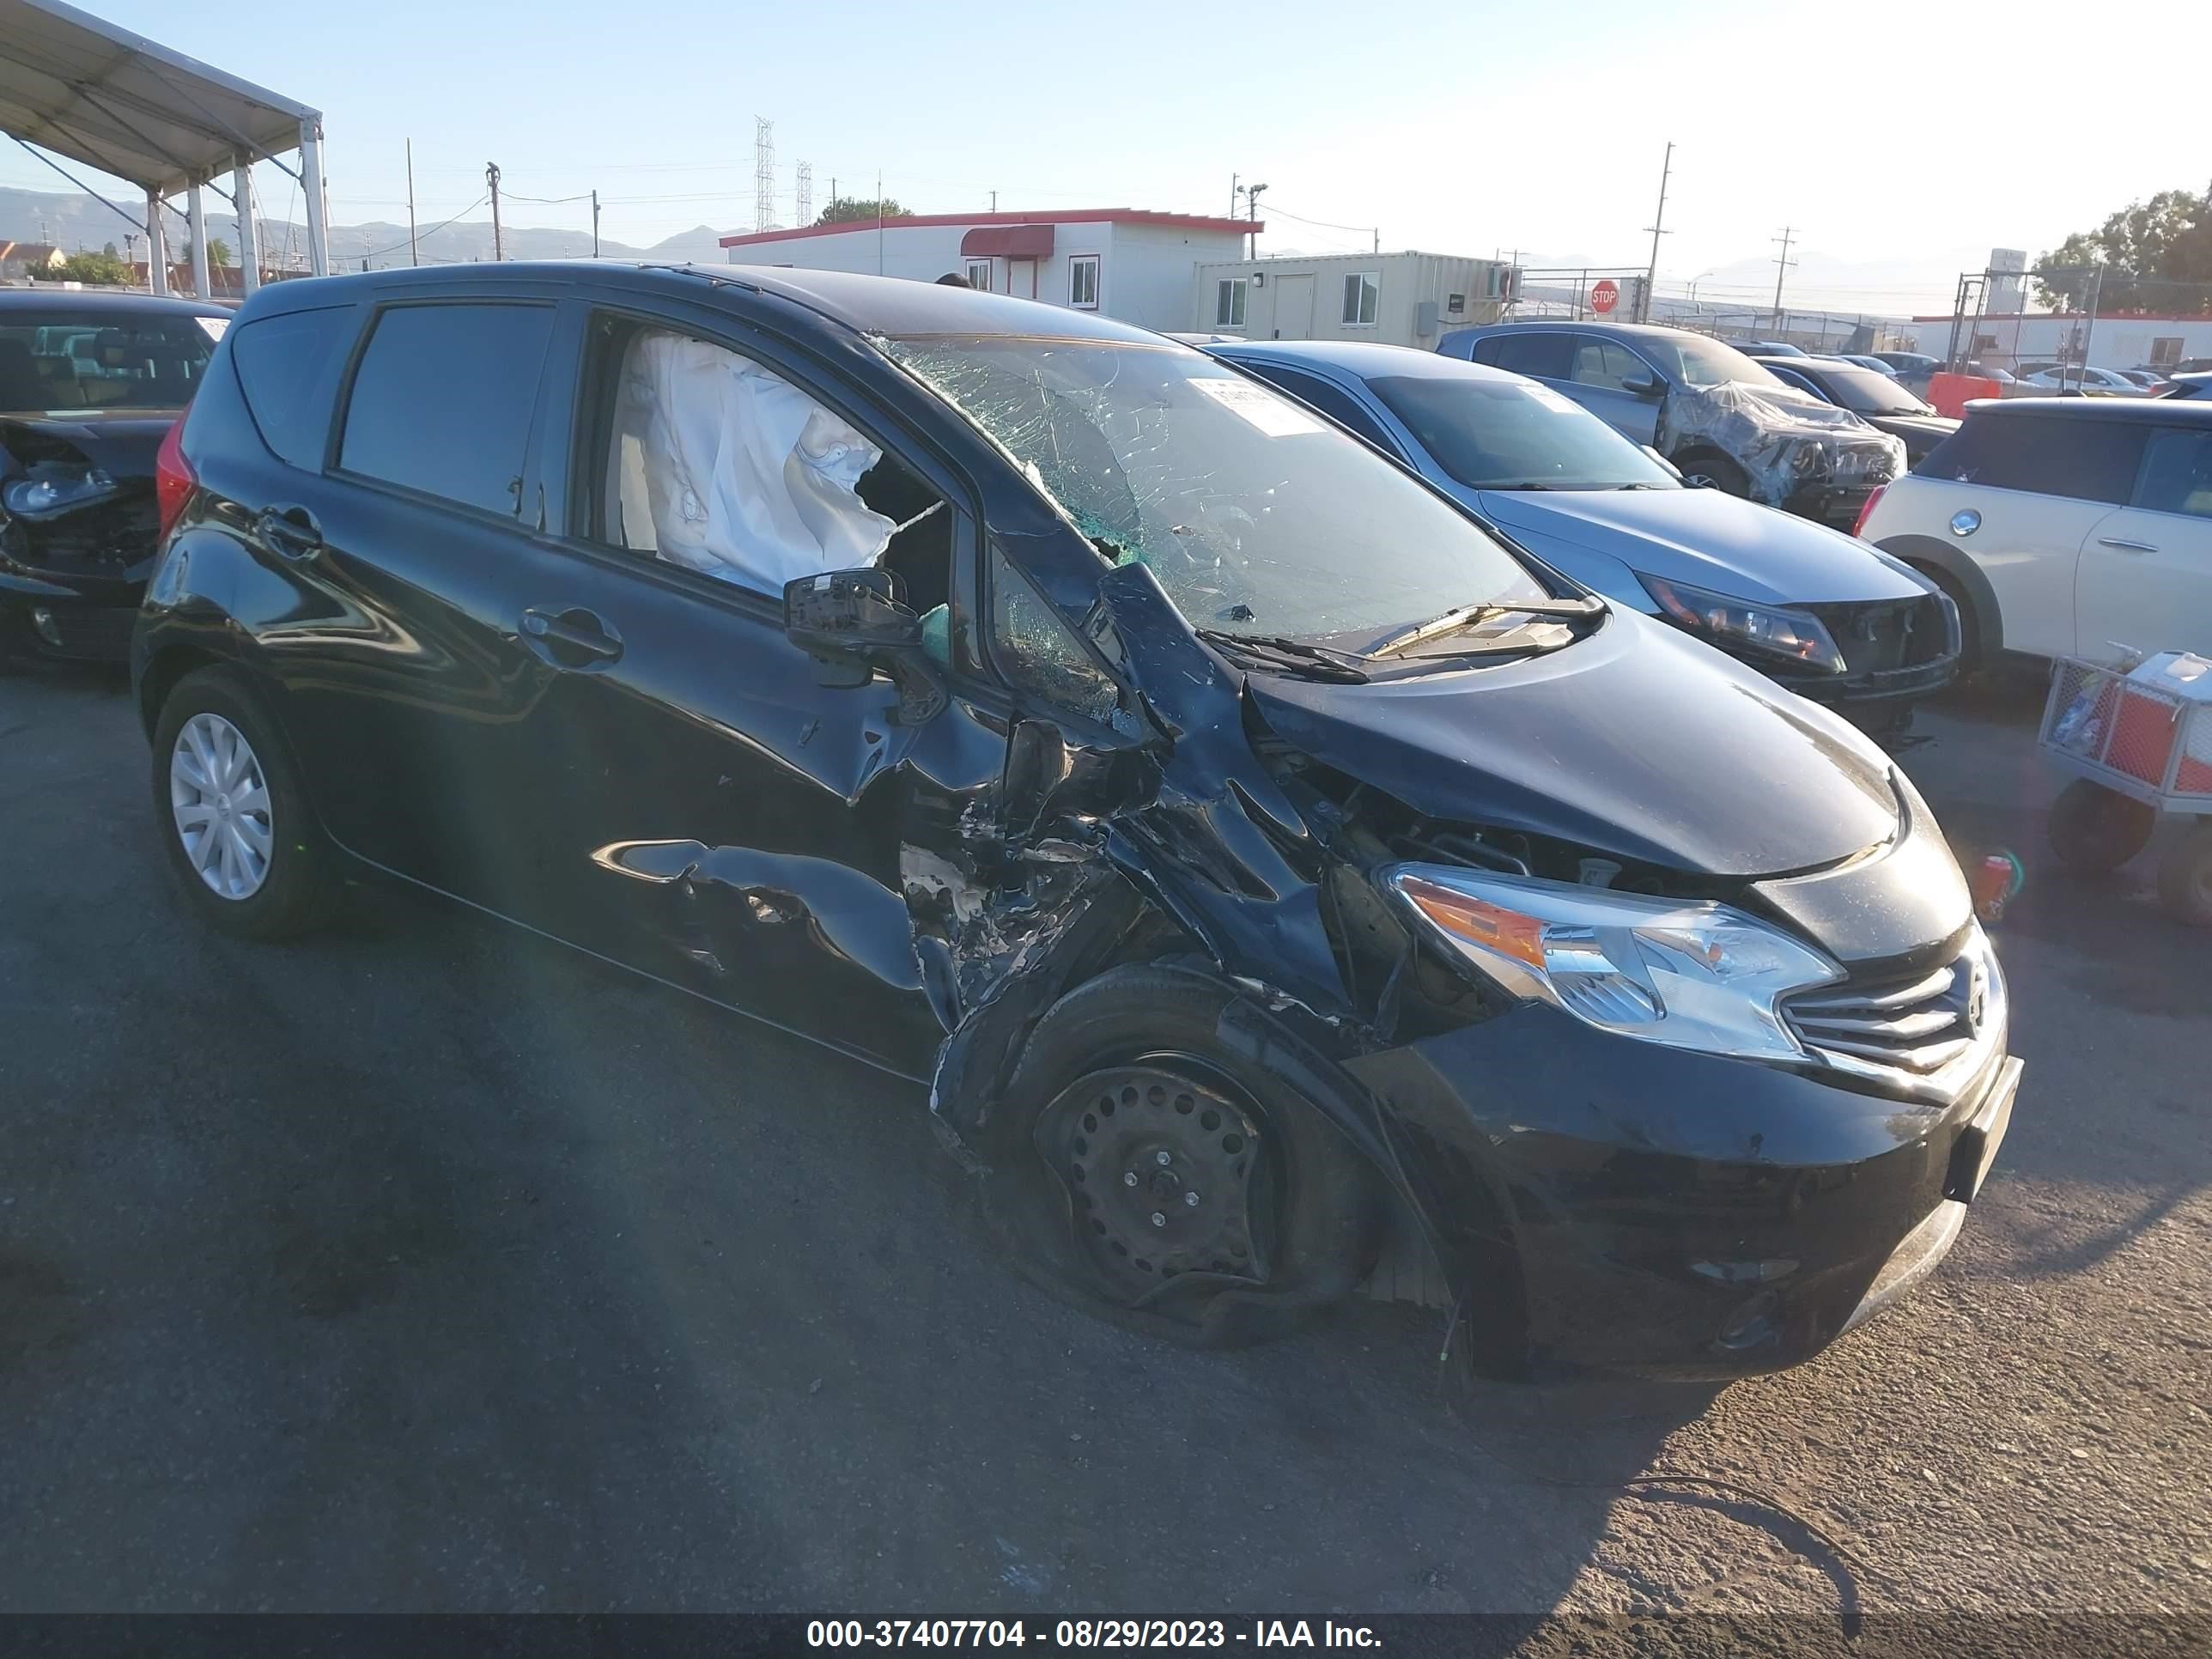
(1008, 242)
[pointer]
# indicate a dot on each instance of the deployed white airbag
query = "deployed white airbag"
(745, 476)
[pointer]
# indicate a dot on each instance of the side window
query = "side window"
(1362, 294)
(442, 400)
(1039, 655)
(2177, 475)
(1333, 401)
(1229, 297)
(979, 273)
(2086, 460)
(279, 362)
(1602, 364)
(1083, 281)
(712, 460)
(1546, 356)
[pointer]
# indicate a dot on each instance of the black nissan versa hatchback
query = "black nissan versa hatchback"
(1286, 886)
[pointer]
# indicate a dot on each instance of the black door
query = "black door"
(703, 808)
(408, 676)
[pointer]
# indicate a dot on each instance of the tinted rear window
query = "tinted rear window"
(1546, 356)
(2045, 455)
(442, 400)
(280, 362)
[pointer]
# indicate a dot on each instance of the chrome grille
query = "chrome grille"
(1931, 1032)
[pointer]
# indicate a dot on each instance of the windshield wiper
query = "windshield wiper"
(1467, 615)
(1291, 656)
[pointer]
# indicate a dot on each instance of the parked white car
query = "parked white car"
(2065, 526)
(2093, 382)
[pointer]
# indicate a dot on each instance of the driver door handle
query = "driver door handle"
(2122, 545)
(291, 531)
(573, 638)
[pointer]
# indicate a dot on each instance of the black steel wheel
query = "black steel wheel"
(1709, 470)
(1145, 1171)
(1169, 1171)
(2093, 829)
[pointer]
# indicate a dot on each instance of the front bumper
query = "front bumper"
(1607, 1203)
(61, 613)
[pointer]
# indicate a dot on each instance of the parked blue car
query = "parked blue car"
(1827, 616)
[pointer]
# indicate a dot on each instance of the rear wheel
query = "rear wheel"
(1155, 1177)
(2093, 829)
(231, 813)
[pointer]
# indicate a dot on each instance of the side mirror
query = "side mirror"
(1643, 385)
(852, 623)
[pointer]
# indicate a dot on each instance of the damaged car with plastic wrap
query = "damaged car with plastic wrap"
(90, 385)
(1724, 419)
(1285, 887)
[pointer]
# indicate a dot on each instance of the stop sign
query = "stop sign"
(1605, 296)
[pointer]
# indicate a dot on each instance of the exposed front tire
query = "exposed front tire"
(233, 815)
(1704, 469)
(2093, 829)
(1147, 1173)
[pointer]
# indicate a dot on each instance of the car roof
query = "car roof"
(96, 300)
(866, 305)
(2151, 411)
(1366, 359)
(1634, 331)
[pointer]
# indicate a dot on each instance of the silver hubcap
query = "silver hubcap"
(221, 802)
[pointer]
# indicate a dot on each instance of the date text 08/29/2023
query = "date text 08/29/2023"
(1085, 1633)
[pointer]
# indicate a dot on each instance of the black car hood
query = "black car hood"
(123, 443)
(1637, 742)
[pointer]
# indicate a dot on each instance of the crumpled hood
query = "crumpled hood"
(1638, 742)
(1708, 538)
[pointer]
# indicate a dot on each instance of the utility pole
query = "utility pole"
(994, 201)
(1658, 222)
(763, 173)
(1783, 262)
(498, 242)
(802, 194)
(595, 224)
(413, 255)
(1252, 195)
(1234, 192)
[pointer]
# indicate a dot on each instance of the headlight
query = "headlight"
(1688, 974)
(52, 486)
(1762, 628)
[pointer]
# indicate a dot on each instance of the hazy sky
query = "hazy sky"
(1903, 138)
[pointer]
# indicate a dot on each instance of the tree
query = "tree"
(847, 210)
(218, 254)
(108, 248)
(2156, 255)
(102, 270)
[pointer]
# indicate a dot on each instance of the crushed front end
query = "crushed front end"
(78, 528)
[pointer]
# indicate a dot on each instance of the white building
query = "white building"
(2115, 342)
(1401, 298)
(1124, 262)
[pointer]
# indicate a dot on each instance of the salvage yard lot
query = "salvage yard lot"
(426, 1266)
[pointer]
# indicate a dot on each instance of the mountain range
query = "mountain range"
(72, 220)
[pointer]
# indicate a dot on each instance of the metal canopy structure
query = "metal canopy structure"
(82, 89)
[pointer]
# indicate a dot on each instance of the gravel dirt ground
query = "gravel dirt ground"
(424, 1266)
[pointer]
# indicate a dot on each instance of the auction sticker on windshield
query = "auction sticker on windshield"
(214, 325)
(1276, 416)
(1550, 399)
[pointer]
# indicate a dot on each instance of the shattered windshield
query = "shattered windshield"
(1257, 516)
